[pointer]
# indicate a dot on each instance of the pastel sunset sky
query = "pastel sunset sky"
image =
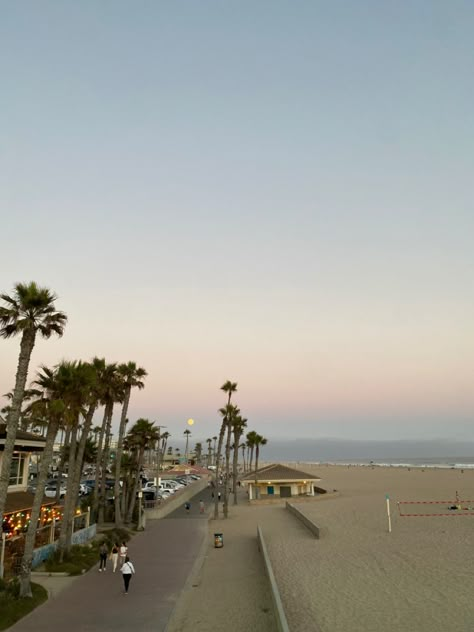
(276, 193)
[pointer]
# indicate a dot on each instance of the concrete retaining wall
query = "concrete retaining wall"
(176, 500)
(315, 530)
(282, 623)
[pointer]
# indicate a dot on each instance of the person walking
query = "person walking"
(201, 506)
(103, 552)
(114, 556)
(218, 496)
(187, 506)
(127, 571)
(123, 553)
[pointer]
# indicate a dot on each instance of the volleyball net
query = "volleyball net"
(430, 508)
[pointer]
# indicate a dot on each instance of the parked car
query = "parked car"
(90, 482)
(175, 484)
(149, 485)
(50, 491)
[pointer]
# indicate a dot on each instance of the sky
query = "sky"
(270, 192)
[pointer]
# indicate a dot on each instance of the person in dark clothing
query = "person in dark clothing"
(103, 552)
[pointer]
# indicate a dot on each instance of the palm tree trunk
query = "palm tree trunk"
(30, 539)
(105, 461)
(98, 461)
(62, 461)
(234, 465)
(218, 466)
(70, 499)
(26, 348)
(133, 498)
(227, 471)
(74, 478)
(118, 457)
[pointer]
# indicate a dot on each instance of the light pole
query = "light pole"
(140, 496)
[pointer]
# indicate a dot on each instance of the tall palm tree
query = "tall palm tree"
(238, 426)
(110, 386)
(228, 387)
(141, 436)
(251, 437)
(81, 404)
(162, 451)
(187, 432)
(232, 413)
(259, 441)
(242, 446)
(52, 405)
(198, 452)
(28, 311)
(132, 377)
(215, 441)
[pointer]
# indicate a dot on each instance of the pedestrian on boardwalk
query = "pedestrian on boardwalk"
(187, 506)
(103, 552)
(201, 506)
(123, 553)
(218, 495)
(127, 571)
(114, 556)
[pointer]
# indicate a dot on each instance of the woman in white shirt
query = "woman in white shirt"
(123, 553)
(127, 571)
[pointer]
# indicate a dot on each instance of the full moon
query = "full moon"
(190, 422)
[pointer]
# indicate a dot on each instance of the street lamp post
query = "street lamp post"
(140, 496)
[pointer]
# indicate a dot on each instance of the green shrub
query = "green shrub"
(117, 534)
(12, 608)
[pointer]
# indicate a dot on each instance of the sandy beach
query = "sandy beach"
(358, 576)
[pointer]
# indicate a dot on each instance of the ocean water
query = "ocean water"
(398, 453)
(435, 462)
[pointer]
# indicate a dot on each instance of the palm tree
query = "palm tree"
(232, 413)
(52, 405)
(141, 436)
(198, 452)
(132, 377)
(110, 390)
(81, 399)
(242, 446)
(30, 310)
(25, 414)
(229, 388)
(238, 426)
(162, 451)
(187, 432)
(251, 437)
(259, 441)
(215, 441)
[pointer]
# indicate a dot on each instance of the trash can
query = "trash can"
(218, 540)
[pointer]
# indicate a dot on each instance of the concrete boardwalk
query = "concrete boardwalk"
(163, 556)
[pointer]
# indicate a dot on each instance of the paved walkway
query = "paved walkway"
(164, 555)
